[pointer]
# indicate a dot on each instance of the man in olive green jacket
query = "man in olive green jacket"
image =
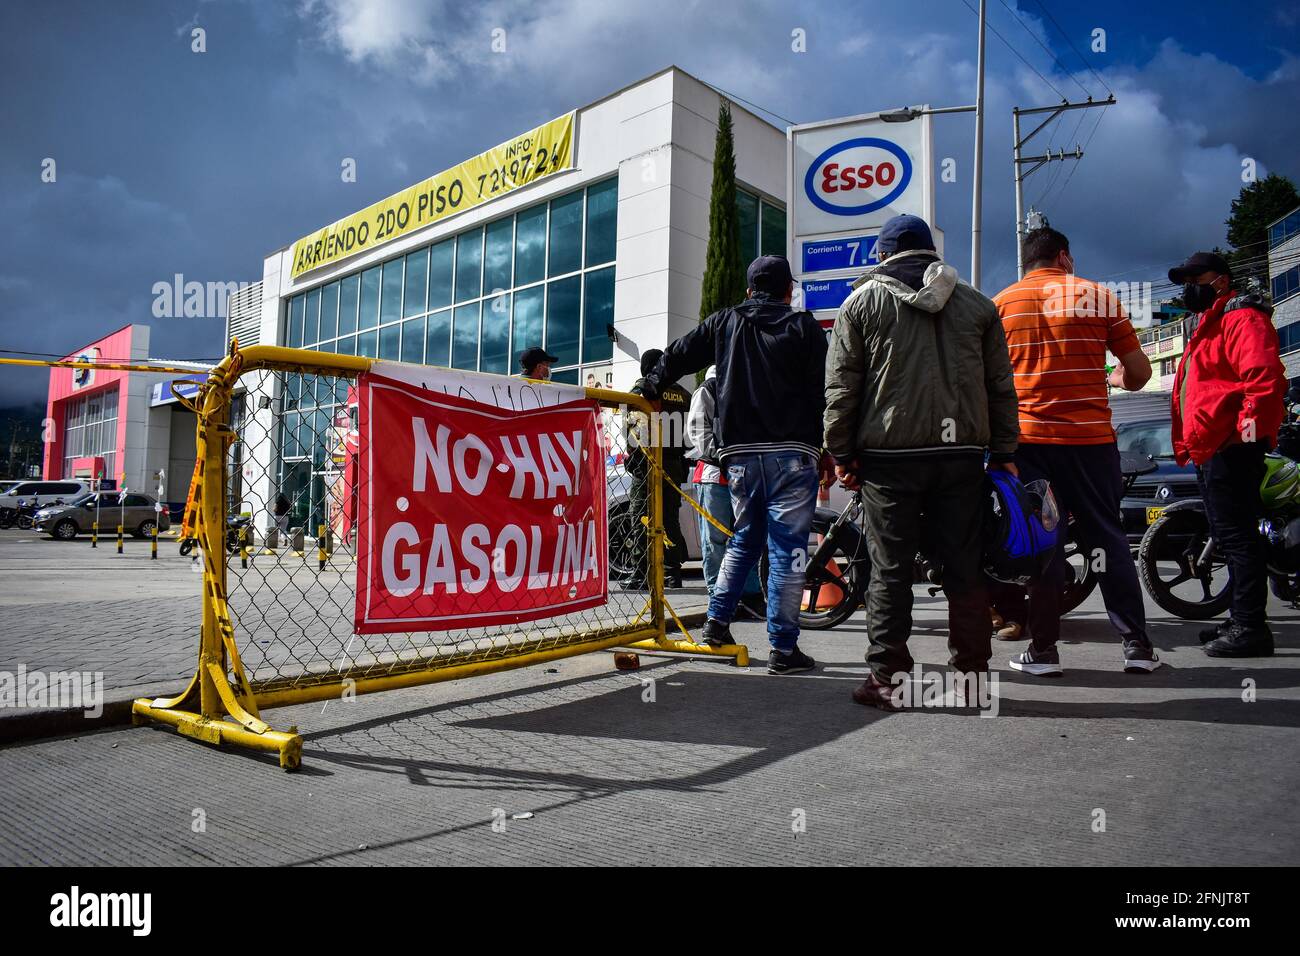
(918, 388)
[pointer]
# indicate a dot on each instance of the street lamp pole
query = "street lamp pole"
(978, 195)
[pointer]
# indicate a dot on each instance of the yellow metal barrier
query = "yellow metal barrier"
(292, 619)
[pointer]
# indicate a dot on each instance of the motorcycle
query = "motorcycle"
(234, 525)
(1180, 542)
(839, 569)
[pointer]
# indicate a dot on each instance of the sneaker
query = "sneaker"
(753, 607)
(1038, 663)
(1208, 634)
(716, 633)
(1139, 658)
(1241, 641)
(1010, 631)
(673, 579)
(795, 662)
(873, 692)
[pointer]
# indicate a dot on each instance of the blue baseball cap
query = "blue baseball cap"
(904, 234)
(770, 274)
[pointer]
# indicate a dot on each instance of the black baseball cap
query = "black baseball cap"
(531, 358)
(1197, 263)
(769, 274)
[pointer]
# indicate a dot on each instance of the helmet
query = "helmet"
(1021, 528)
(1281, 484)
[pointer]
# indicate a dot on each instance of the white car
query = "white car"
(42, 493)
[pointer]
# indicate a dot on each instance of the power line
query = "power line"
(1095, 127)
(1020, 20)
(741, 99)
(1067, 39)
(1008, 45)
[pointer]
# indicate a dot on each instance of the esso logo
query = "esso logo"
(858, 176)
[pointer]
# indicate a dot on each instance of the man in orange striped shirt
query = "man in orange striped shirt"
(1059, 328)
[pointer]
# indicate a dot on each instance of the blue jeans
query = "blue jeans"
(716, 500)
(773, 496)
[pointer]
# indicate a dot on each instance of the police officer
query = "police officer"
(673, 404)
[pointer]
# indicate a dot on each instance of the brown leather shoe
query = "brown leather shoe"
(873, 692)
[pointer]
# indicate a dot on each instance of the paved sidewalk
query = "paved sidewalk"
(67, 607)
(723, 765)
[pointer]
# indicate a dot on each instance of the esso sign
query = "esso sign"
(858, 176)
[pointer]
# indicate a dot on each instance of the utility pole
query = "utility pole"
(1034, 162)
(977, 199)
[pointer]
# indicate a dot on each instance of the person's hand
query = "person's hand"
(826, 470)
(1116, 377)
(650, 388)
(848, 475)
(1008, 466)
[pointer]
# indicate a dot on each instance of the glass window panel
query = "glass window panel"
(565, 246)
(368, 317)
(747, 213)
(526, 324)
(324, 389)
(390, 309)
(567, 377)
(311, 327)
(773, 235)
(441, 258)
(496, 335)
(530, 245)
(348, 289)
(469, 265)
(390, 340)
(290, 441)
(413, 340)
(417, 273)
(293, 330)
(562, 319)
(602, 212)
(346, 345)
(437, 339)
(464, 349)
(497, 255)
(597, 312)
(329, 311)
(368, 344)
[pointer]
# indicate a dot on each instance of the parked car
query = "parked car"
(1151, 493)
(625, 528)
(43, 492)
(136, 513)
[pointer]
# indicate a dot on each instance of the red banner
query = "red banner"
(474, 515)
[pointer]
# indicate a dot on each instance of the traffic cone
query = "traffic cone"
(830, 594)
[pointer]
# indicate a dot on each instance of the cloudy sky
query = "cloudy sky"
(170, 161)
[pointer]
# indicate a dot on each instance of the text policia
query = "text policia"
(540, 152)
(473, 514)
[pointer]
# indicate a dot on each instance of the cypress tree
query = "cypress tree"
(724, 273)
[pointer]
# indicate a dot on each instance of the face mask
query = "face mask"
(1199, 296)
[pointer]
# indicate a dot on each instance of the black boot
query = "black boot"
(716, 634)
(1239, 641)
(1208, 634)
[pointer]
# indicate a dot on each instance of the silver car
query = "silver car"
(136, 513)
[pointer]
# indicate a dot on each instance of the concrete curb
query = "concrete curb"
(59, 722)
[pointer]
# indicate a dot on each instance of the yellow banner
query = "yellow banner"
(525, 159)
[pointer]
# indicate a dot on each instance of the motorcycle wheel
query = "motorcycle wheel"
(1082, 580)
(1178, 537)
(849, 554)
(1285, 587)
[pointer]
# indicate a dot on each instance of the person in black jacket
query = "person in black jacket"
(771, 363)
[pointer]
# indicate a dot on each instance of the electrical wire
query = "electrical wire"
(1008, 45)
(1020, 20)
(1067, 39)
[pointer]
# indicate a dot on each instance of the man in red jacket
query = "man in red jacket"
(1227, 408)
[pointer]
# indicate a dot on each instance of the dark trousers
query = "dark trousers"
(675, 553)
(1229, 484)
(1088, 486)
(940, 497)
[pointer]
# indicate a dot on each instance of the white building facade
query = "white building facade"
(597, 264)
